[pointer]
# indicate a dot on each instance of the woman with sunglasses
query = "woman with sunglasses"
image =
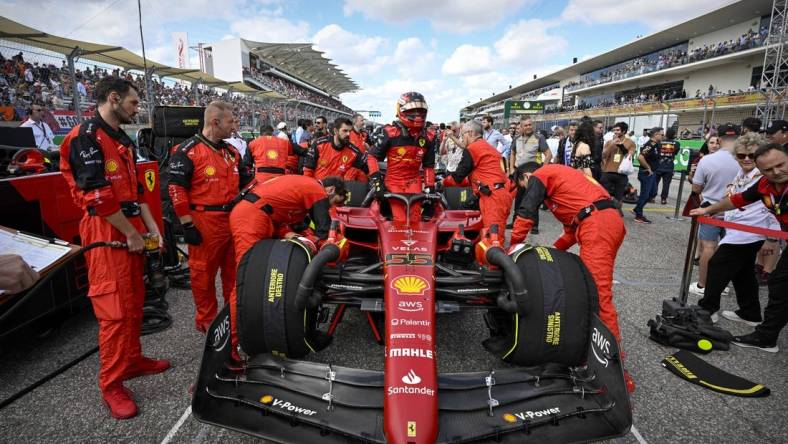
(735, 257)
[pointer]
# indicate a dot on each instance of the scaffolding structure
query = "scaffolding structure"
(774, 78)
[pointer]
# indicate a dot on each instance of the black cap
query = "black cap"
(728, 130)
(777, 125)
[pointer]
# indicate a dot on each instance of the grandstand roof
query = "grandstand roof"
(714, 20)
(110, 55)
(303, 62)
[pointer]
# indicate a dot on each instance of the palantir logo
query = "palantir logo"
(411, 378)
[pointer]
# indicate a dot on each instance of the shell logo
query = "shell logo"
(266, 399)
(508, 417)
(112, 166)
(210, 171)
(413, 285)
(401, 151)
(271, 154)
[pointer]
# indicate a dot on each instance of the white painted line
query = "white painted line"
(637, 435)
(177, 426)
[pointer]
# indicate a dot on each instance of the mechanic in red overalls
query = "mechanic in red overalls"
(334, 155)
(407, 146)
(591, 219)
(97, 159)
(270, 211)
(204, 179)
(483, 163)
(358, 138)
(269, 154)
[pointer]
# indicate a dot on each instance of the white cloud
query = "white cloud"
(468, 59)
(446, 15)
(596, 12)
(529, 41)
(270, 28)
(354, 53)
(412, 58)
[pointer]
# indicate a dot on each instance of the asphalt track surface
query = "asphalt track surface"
(648, 269)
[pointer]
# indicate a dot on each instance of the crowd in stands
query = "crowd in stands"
(26, 82)
(291, 90)
(674, 57)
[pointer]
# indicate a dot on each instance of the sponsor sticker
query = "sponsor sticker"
(221, 334)
(403, 336)
(111, 166)
(410, 306)
(410, 322)
(411, 391)
(601, 343)
(271, 154)
(409, 242)
(210, 170)
(410, 285)
(422, 142)
(286, 405)
(411, 378)
(410, 353)
(530, 414)
(411, 429)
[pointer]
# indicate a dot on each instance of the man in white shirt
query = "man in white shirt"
(643, 139)
(282, 131)
(41, 131)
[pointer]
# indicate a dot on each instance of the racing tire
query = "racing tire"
(553, 323)
(356, 192)
(268, 321)
(460, 198)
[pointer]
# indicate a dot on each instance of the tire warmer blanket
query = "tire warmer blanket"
(689, 367)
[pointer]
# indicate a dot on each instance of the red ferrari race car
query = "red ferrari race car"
(562, 379)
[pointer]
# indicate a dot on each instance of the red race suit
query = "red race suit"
(268, 211)
(483, 164)
(269, 154)
(359, 140)
(204, 179)
(566, 192)
(326, 159)
(406, 153)
(99, 166)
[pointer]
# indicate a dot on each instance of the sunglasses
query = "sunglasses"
(742, 156)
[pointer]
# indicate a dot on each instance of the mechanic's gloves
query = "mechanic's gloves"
(521, 228)
(191, 235)
(376, 183)
(566, 240)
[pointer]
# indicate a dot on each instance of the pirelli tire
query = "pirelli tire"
(268, 321)
(357, 191)
(460, 198)
(553, 323)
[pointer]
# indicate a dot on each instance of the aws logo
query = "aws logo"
(410, 285)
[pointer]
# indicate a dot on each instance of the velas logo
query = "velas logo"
(286, 405)
(530, 414)
(411, 378)
(210, 170)
(150, 179)
(601, 343)
(271, 154)
(410, 285)
(409, 243)
(111, 166)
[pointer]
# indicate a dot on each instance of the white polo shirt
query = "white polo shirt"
(43, 134)
(754, 214)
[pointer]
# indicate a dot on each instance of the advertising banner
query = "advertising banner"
(181, 41)
(521, 107)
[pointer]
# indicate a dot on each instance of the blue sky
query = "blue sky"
(453, 51)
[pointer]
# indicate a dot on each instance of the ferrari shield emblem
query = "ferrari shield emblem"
(422, 142)
(150, 179)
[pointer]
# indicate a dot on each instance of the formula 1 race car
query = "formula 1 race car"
(562, 380)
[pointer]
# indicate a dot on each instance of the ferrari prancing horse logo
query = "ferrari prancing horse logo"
(422, 142)
(150, 179)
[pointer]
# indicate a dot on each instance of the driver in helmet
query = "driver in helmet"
(407, 146)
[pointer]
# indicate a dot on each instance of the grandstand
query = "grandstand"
(291, 69)
(36, 67)
(698, 73)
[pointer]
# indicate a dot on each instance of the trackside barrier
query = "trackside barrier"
(772, 234)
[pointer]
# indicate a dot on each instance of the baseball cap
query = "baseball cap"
(281, 125)
(728, 130)
(777, 125)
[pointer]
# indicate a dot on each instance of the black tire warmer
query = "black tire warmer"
(267, 281)
(356, 191)
(691, 368)
(460, 198)
(553, 322)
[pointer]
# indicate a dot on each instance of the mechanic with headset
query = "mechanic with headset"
(205, 176)
(98, 162)
(482, 162)
(591, 219)
(407, 145)
(334, 154)
(269, 154)
(272, 210)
